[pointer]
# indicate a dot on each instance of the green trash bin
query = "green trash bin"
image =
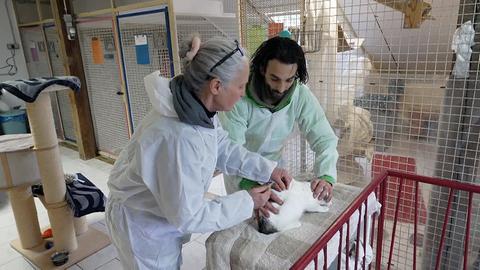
(13, 122)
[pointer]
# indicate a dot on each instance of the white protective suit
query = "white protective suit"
(158, 183)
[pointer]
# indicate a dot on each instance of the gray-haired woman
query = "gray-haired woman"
(158, 183)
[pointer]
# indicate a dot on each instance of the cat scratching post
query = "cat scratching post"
(49, 163)
(19, 170)
(75, 237)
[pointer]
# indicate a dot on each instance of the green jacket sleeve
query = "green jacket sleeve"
(315, 127)
(235, 122)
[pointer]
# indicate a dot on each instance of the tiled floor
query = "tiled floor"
(97, 171)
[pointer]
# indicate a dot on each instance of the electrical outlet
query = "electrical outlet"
(13, 46)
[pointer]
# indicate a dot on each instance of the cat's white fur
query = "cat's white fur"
(297, 199)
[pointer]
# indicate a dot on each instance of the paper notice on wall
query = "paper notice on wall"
(141, 50)
(97, 51)
(34, 51)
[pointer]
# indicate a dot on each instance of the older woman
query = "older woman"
(158, 183)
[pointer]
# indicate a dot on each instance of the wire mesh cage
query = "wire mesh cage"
(45, 9)
(397, 80)
(425, 225)
(35, 52)
(396, 237)
(85, 6)
(40, 63)
(206, 27)
(62, 112)
(150, 29)
(366, 62)
(103, 77)
(26, 11)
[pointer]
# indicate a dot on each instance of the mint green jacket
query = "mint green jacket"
(265, 132)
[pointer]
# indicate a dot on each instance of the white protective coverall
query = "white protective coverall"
(158, 183)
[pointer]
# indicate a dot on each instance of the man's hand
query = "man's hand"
(281, 179)
(265, 210)
(322, 190)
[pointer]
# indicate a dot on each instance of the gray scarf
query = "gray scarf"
(189, 108)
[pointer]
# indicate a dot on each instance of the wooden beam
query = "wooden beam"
(94, 13)
(81, 115)
(141, 5)
(413, 14)
(342, 43)
(398, 5)
(30, 24)
(416, 11)
(39, 10)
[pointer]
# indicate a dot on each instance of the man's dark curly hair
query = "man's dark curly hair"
(284, 50)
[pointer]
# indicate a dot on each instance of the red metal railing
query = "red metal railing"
(379, 187)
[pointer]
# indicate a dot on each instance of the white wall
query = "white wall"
(6, 37)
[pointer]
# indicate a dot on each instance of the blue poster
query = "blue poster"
(141, 50)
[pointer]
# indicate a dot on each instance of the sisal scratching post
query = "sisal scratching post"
(25, 215)
(80, 224)
(49, 163)
(18, 171)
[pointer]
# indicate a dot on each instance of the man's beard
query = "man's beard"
(272, 96)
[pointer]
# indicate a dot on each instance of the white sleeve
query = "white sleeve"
(172, 171)
(234, 159)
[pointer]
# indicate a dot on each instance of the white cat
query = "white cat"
(297, 199)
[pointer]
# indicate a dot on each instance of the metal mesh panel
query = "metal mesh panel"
(61, 104)
(66, 114)
(396, 75)
(26, 11)
(56, 63)
(103, 81)
(403, 248)
(34, 49)
(300, 164)
(154, 28)
(227, 25)
(45, 9)
(53, 47)
(229, 6)
(382, 71)
(119, 3)
(80, 6)
(207, 27)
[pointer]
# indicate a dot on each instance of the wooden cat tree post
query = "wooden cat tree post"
(49, 163)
